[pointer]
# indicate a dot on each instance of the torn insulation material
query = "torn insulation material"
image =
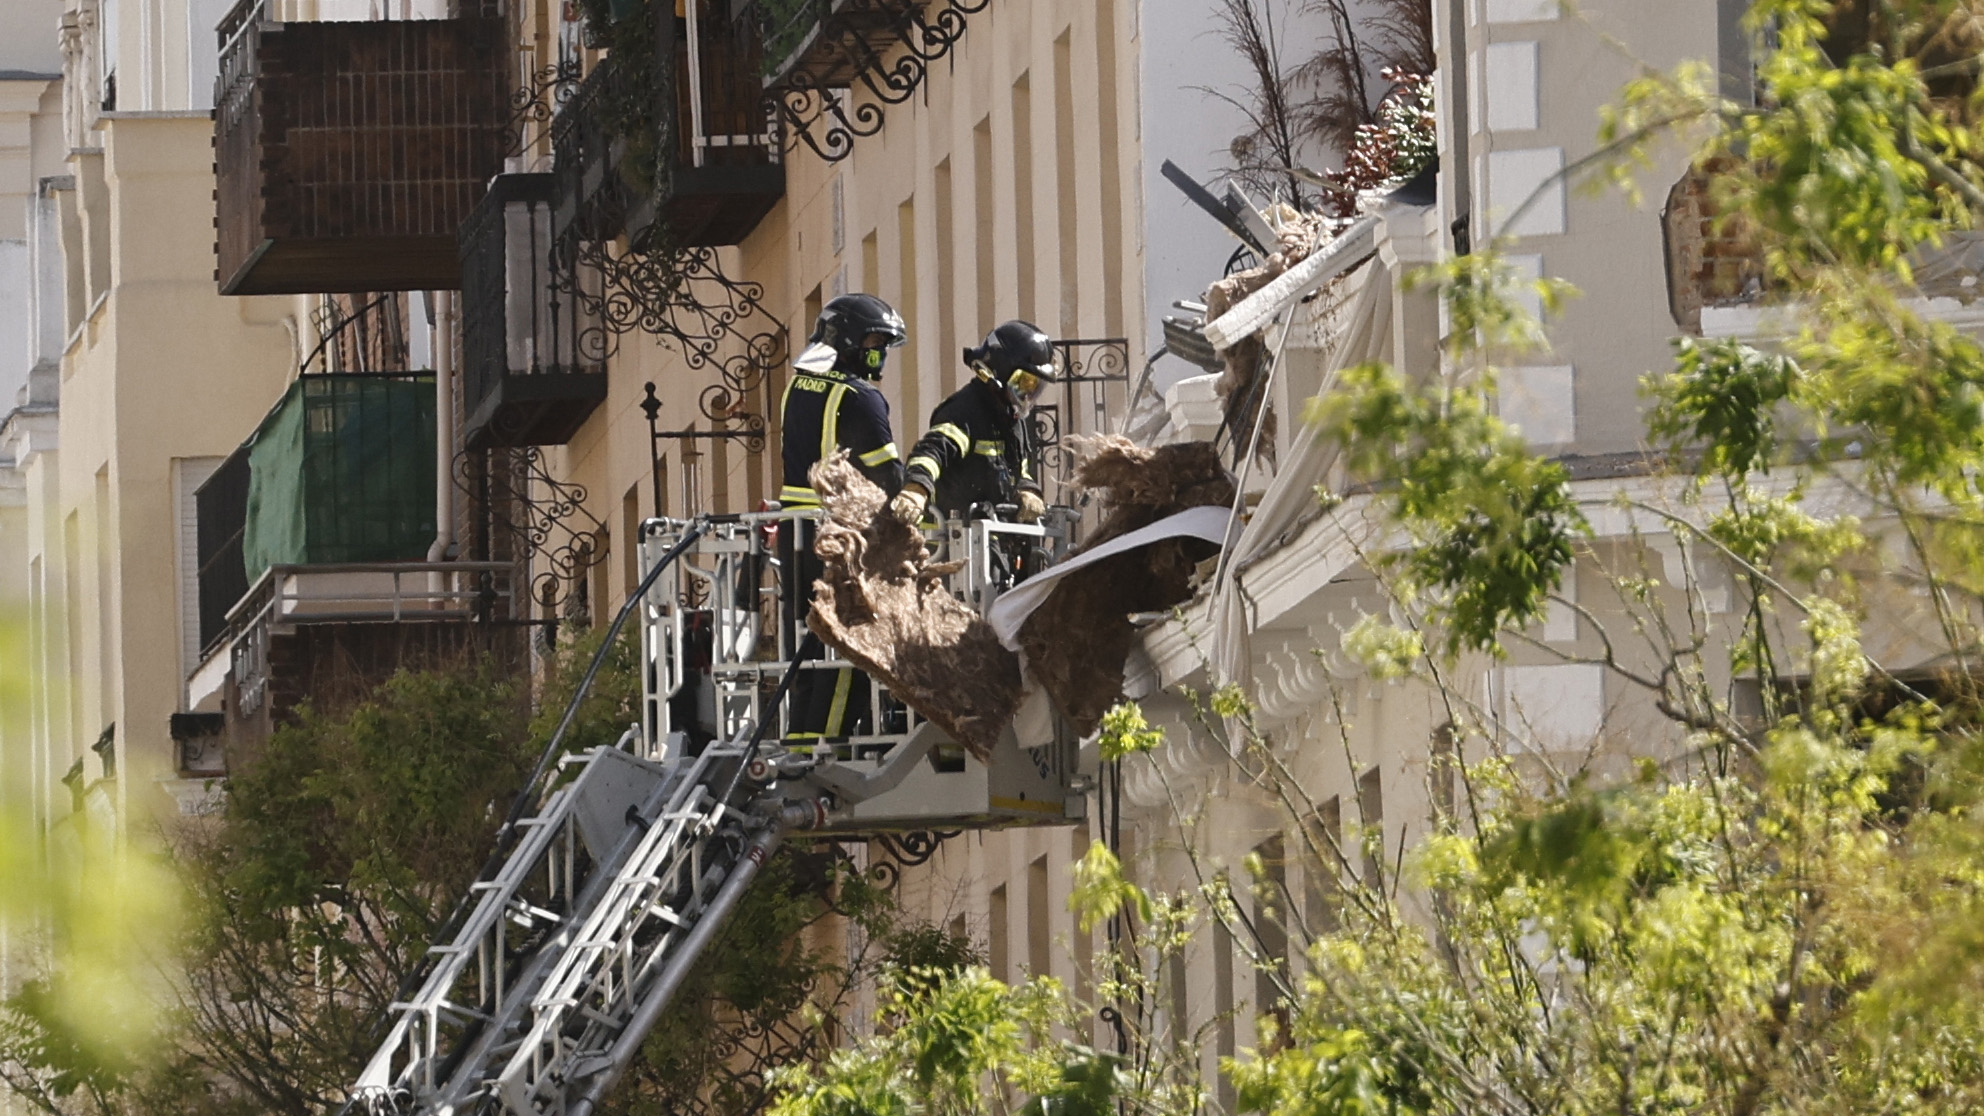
(883, 604)
(1077, 641)
(1299, 237)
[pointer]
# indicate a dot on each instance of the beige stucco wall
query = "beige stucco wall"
(931, 226)
(162, 368)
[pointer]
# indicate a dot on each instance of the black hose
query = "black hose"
(697, 528)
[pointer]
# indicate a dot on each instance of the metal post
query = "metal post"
(695, 82)
(651, 406)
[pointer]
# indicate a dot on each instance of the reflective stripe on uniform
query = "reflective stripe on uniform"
(794, 494)
(928, 465)
(957, 436)
(837, 713)
(987, 448)
(830, 424)
(876, 457)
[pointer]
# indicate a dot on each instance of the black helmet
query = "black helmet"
(1018, 357)
(848, 325)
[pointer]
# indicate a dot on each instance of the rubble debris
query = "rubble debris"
(1077, 641)
(883, 604)
(1298, 236)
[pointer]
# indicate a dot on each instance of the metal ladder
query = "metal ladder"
(572, 943)
(572, 950)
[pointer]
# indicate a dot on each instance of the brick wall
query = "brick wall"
(1712, 259)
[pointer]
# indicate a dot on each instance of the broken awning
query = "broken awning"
(1009, 612)
(1251, 314)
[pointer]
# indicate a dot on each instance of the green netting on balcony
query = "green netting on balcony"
(342, 470)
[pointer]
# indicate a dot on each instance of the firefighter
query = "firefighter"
(978, 451)
(832, 404)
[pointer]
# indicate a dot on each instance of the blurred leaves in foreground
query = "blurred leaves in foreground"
(89, 915)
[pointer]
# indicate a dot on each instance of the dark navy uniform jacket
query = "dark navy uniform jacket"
(976, 452)
(825, 410)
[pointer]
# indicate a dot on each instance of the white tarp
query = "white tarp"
(1010, 611)
(1365, 334)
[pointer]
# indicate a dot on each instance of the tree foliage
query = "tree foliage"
(344, 847)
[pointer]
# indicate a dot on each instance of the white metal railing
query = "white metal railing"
(733, 577)
(373, 592)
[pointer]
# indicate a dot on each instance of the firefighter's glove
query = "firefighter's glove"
(907, 506)
(1032, 507)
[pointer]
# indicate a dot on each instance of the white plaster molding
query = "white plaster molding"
(28, 433)
(1183, 768)
(1293, 679)
(1194, 406)
(1759, 324)
(1513, 176)
(1411, 236)
(1509, 74)
(1526, 270)
(1523, 11)
(1556, 707)
(1541, 402)
(1705, 572)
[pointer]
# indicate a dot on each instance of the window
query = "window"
(1371, 820)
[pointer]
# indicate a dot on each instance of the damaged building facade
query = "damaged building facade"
(371, 415)
(1517, 84)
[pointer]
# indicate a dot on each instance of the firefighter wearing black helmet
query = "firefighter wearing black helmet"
(832, 404)
(978, 451)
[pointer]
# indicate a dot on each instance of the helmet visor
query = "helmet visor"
(1025, 386)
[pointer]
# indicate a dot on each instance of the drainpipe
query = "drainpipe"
(1454, 60)
(442, 316)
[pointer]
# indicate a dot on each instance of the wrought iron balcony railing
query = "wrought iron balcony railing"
(835, 65)
(673, 144)
(533, 354)
(347, 154)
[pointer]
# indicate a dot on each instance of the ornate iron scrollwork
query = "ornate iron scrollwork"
(1085, 369)
(882, 47)
(903, 850)
(355, 336)
(677, 294)
(611, 177)
(889, 854)
(533, 106)
(535, 514)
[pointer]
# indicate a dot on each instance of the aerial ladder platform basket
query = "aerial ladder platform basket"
(578, 934)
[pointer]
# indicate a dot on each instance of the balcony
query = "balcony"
(347, 154)
(826, 44)
(679, 139)
(824, 56)
(312, 540)
(532, 354)
(341, 470)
